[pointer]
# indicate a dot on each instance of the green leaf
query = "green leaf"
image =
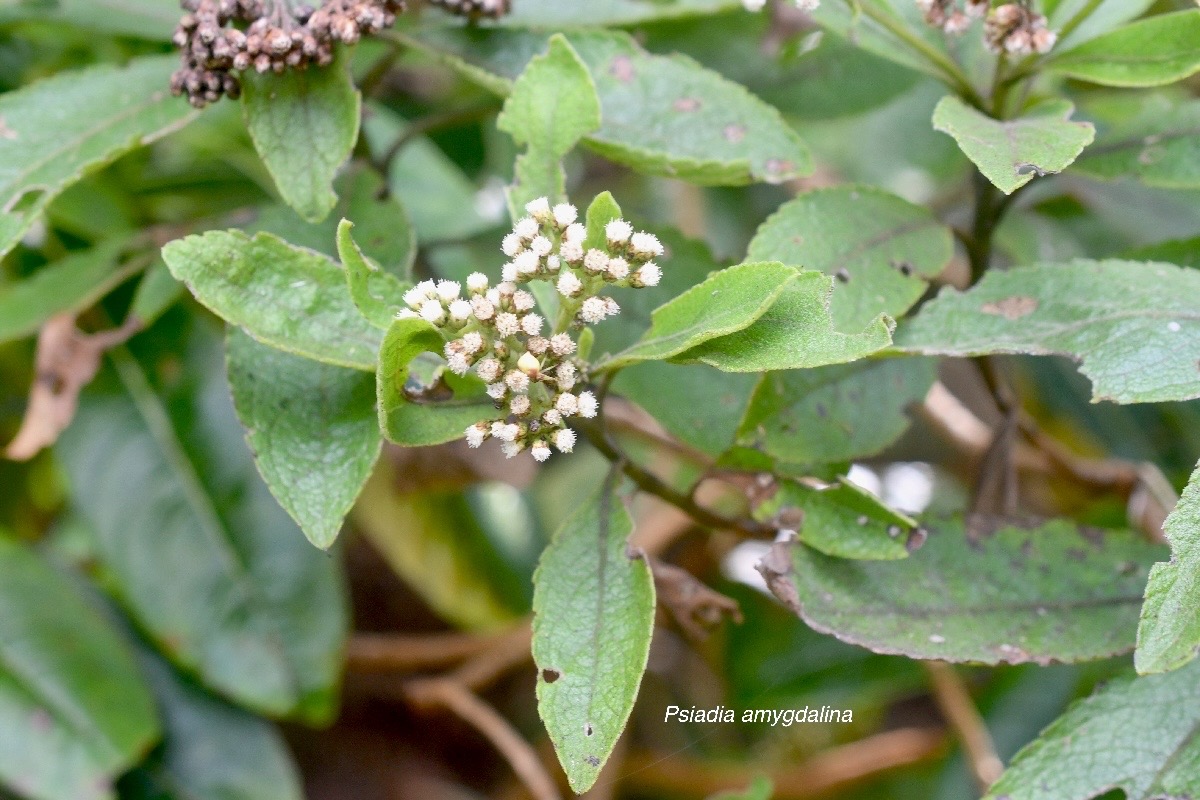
(1054, 593)
(593, 608)
(839, 520)
(1169, 633)
(1134, 325)
(147, 19)
(214, 750)
(729, 301)
(1100, 16)
(552, 14)
(1182, 252)
(795, 333)
(851, 21)
(1138, 735)
(412, 419)
(284, 296)
(882, 248)
(439, 546)
(1153, 51)
(378, 294)
(59, 129)
(552, 106)
(662, 115)
(257, 614)
(304, 124)
(311, 427)
(836, 413)
(1159, 146)
(437, 196)
(1011, 152)
(73, 712)
(71, 284)
(697, 404)
(382, 228)
(156, 292)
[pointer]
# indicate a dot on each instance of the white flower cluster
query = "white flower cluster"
(532, 374)
(803, 5)
(946, 14)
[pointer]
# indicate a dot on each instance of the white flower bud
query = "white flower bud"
(493, 296)
(588, 405)
(541, 246)
(507, 324)
(517, 381)
(427, 289)
(611, 309)
(482, 308)
(595, 260)
(645, 245)
(561, 344)
(511, 244)
(526, 263)
(529, 364)
(564, 440)
(489, 370)
(565, 214)
(414, 297)
(506, 289)
(552, 417)
(593, 310)
(496, 391)
(505, 432)
(575, 232)
(566, 376)
(526, 228)
(458, 364)
(753, 5)
(531, 324)
(432, 311)
(539, 209)
(406, 313)
(509, 273)
(477, 433)
(618, 268)
(511, 449)
(808, 5)
(566, 404)
(552, 263)
(472, 343)
(523, 300)
(648, 274)
(618, 231)
(519, 405)
(537, 345)
(540, 451)
(571, 252)
(448, 290)
(460, 311)
(569, 284)
(477, 282)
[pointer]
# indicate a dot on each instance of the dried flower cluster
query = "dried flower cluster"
(947, 15)
(1015, 28)
(533, 373)
(474, 9)
(221, 37)
(802, 5)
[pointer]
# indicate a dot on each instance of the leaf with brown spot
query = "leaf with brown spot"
(1134, 325)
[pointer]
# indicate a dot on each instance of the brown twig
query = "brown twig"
(377, 652)
(952, 697)
(820, 775)
(693, 605)
(453, 695)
